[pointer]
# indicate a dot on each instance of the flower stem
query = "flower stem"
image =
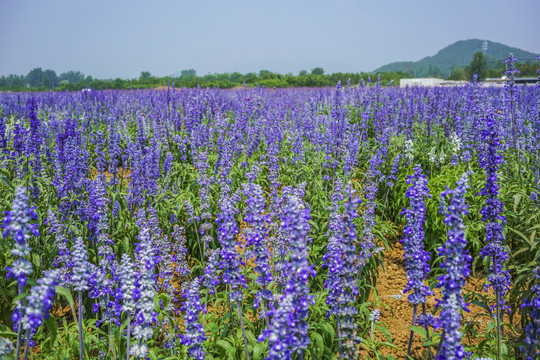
(80, 327)
(27, 345)
(339, 336)
(19, 327)
(498, 314)
(441, 341)
(427, 332)
(412, 332)
(243, 328)
(128, 333)
(19, 331)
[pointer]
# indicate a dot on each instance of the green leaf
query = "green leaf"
(517, 199)
(320, 343)
(229, 349)
(65, 293)
(390, 345)
(258, 351)
(418, 330)
(504, 351)
(52, 329)
(8, 333)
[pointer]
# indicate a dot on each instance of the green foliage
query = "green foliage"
(145, 75)
(477, 66)
(458, 74)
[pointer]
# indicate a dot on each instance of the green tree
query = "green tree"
(15, 81)
(266, 74)
(477, 66)
(302, 73)
(51, 77)
(34, 78)
(74, 77)
(46, 82)
(118, 83)
(145, 75)
(236, 77)
(317, 71)
(188, 73)
(458, 74)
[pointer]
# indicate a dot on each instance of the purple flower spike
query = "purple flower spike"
(457, 265)
(347, 310)
(257, 238)
(40, 300)
(194, 337)
(288, 329)
(531, 349)
(416, 258)
(230, 259)
(17, 225)
(490, 159)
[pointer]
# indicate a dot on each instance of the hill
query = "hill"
(458, 54)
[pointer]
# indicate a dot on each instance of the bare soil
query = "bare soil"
(397, 317)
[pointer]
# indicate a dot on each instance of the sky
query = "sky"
(120, 38)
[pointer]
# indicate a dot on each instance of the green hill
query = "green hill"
(459, 54)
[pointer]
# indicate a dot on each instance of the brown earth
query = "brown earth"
(396, 317)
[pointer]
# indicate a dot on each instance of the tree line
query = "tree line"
(38, 79)
(42, 80)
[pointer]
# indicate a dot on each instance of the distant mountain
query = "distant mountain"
(459, 54)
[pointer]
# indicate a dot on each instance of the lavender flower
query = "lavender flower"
(145, 314)
(194, 337)
(490, 159)
(6, 345)
(116, 209)
(255, 208)
(128, 276)
(333, 258)
(416, 258)
(456, 263)
(409, 150)
(532, 331)
(180, 250)
(167, 164)
(426, 320)
(346, 309)
(80, 276)
(391, 178)
(40, 301)
(17, 225)
(288, 330)
(191, 212)
(375, 315)
(64, 259)
(230, 260)
(211, 280)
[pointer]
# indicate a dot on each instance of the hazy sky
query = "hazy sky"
(108, 39)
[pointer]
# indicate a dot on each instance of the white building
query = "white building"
(430, 82)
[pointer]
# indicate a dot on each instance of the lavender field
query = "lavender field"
(254, 223)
